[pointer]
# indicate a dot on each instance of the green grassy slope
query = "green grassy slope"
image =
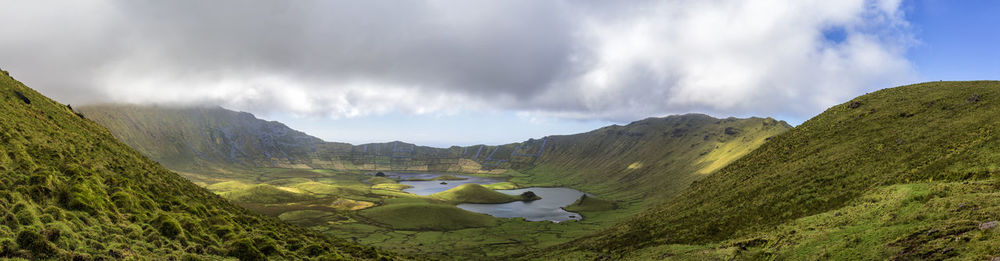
(651, 159)
(424, 216)
(263, 194)
(69, 190)
(589, 203)
(205, 138)
(935, 133)
(474, 193)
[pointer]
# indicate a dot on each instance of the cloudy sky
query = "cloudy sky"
(470, 71)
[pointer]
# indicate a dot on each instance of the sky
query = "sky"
(466, 72)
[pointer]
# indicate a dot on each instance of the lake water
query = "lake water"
(548, 208)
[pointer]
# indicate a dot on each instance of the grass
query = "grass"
(70, 190)
(381, 180)
(426, 216)
(590, 203)
(474, 193)
(650, 160)
(939, 133)
(928, 220)
(441, 177)
(265, 194)
(502, 185)
(480, 243)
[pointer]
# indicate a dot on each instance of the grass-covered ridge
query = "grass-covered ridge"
(474, 193)
(69, 190)
(649, 160)
(590, 203)
(935, 133)
(418, 215)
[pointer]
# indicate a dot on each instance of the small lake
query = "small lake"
(548, 208)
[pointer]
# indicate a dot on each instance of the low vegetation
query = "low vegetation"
(905, 173)
(424, 216)
(69, 190)
(590, 203)
(650, 160)
(474, 193)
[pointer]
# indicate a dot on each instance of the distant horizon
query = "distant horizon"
(442, 145)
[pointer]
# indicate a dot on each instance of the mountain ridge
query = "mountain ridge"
(720, 141)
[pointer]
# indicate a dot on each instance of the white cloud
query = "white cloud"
(621, 60)
(735, 57)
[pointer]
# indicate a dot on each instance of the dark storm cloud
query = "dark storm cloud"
(610, 60)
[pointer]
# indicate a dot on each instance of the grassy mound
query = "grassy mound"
(473, 193)
(588, 203)
(329, 189)
(350, 204)
(69, 190)
(391, 186)
(439, 178)
(502, 185)
(425, 216)
(265, 194)
(310, 217)
(227, 186)
(381, 180)
(448, 177)
(933, 133)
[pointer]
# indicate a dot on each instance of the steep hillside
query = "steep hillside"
(650, 159)
(200, 138)
(907, 172)
(69, 190)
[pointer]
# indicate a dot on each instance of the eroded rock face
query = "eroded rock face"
(529, 196)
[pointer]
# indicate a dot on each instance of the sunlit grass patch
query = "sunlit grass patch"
(426, 216)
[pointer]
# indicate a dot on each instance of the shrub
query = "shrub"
(314, 250)
(190, 257)
(35, 243)
(10, 220)
(333, 257)
(55, 212)
(266, 245)
(26, 218)
(7, 247)
(168, 226)
(245, 251)
(82, 198)
(52, 233)
(123, 200)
